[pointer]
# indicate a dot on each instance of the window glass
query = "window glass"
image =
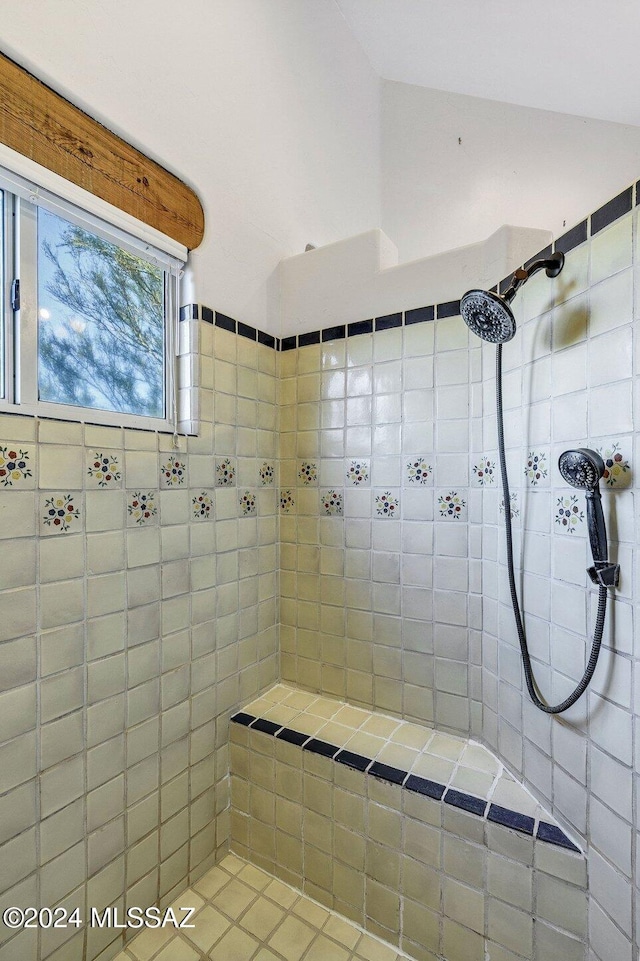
(101, 322)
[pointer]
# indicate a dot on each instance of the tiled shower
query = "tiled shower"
(335, 526)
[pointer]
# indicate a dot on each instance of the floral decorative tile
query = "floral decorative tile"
(358, 472)
(308, 473)
(173, 473)
(418, 471)
(15, 467)
(202, 506)
(266, 473)
(452, 506)
(103, 469)
(225, 472)
(60, 513)
(514, 510)
(484, 472)
(332, 503)
(248, 503)
(287, 502)
(617, 469)
(142, 508)
(386, 505)
(569, 515)
(536, 469)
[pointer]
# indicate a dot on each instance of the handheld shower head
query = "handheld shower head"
(581, 468)
(489, 316)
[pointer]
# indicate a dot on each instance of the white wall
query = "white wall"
(515, 165)
(269, 110)
(360, 278)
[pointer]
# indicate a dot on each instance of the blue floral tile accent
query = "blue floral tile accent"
(103, 469)
(173, 473)
(225, 472)
(141, 508)
(536, 469)
(287, 502)
(15, 467)
(308, 473)
(60, 513)
(386, 505)
(419, 471)
(514, 508)
(617, 470)
(332, 503)
(484, 472)
(569, 515)
(452, 506)
(358, 472)
(266, 473)
(248, 503)
(202, 506)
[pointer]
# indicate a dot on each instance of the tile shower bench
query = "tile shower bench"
(423, 838)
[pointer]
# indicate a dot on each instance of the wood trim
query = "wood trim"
(43, 126)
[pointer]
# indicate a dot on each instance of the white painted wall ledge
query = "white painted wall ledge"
(359, 278)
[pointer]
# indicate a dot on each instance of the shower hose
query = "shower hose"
(602, 591)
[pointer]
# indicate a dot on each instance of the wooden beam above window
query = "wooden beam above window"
(41, 125)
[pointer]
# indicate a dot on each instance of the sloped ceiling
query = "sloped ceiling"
(573, 56)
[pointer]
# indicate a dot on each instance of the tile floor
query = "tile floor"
(244, 914)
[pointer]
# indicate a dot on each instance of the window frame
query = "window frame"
(22, 200)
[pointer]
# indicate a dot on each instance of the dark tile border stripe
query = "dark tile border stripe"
(244, 330)
(292, 737)
(267, 727)
(611, 211)
(450, 309)
(505, 817)
(226, 323)
(308, 338)
(267, 339)
(554, 835)
(321, 747)
(510, 819)
(466, 802)
(573, 238)
(244, 719)
(389, 321)
(360, 327)
(422, 785)
(419, 315)
(334, 333)
(356, 761)
(384, 772)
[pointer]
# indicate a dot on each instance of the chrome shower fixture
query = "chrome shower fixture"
(583, 468)
(489, 315)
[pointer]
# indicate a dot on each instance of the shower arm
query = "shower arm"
(552, 265)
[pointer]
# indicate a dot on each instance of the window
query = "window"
(89, 315)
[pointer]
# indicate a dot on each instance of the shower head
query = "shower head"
(488, 316)
(581, 468)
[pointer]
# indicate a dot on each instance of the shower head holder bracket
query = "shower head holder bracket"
(603, 574)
